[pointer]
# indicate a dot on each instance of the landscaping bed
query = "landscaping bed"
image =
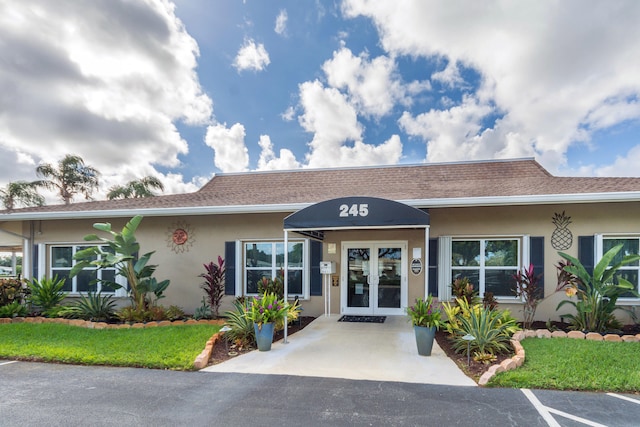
(222, 352)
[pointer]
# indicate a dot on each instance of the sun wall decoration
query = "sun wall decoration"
(180, 237)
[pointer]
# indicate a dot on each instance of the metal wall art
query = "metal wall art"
(180, 237)
(561, 238)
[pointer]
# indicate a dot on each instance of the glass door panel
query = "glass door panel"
(389, 281)
(374, 278)
(358, 277)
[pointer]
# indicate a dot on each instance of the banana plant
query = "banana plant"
(121, 252)
(597, 293)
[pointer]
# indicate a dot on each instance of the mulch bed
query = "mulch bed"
(221, 352)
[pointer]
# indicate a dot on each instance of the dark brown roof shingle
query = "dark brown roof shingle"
(523, 177)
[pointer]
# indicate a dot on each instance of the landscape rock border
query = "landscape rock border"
(199, 363)
(518, 359)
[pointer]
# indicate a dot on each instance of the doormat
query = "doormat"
(363, 319)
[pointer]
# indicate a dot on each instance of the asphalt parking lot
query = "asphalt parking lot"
(67, 395)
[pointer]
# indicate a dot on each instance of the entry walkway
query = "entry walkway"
(360, 351)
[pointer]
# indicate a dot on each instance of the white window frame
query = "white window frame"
(599, 252)
(275, 268)
(445, 266)
(75, 247)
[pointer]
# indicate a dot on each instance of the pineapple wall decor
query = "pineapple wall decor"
(561, 238)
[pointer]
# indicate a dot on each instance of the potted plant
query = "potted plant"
(264, 311)
(425, 317)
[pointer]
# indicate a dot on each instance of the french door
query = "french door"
(374, 278)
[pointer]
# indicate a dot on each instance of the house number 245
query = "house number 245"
(361, 209)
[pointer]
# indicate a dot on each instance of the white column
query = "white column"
(426, 261)
(286, 282)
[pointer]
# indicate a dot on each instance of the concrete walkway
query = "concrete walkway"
(359, 351)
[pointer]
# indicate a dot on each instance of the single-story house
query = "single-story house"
(386, 235)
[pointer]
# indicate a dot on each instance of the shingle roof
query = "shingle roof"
(464, 180)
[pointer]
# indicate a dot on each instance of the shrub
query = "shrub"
(12, 290)
(597, 293)
(131, 314)
(463, 288)
(242, 333)
(489, 301)
(174, 313)
(491, 328)
(121, 252)
(55, 311)
(214, 284)
(272, 286)
(527, 288)
(14, 309)
(202, 312)
(94, 307)
(425, 313)
(157, 313)
(47, 292)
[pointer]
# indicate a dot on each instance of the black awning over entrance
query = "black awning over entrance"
(356, 212)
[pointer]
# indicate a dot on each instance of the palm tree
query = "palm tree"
(70, 177)
(21, 192)
(136, 188)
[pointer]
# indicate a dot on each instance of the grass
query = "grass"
(571, 364)
(168, 347)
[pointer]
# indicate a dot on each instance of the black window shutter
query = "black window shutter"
(585, 252)
(433, 267)
(230, 265)
(314, 268)
(536, 252)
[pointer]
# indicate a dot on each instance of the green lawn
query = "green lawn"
(169, 347)
(572, 364)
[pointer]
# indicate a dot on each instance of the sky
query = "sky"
(186, 89)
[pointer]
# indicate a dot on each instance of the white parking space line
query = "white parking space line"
(619, 396)
(542, 410)
(6, 363)
(546, 411)
(575, 418)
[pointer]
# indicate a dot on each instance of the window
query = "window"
(61, 262)
(266, 259)
(488, 263)
(631, 246)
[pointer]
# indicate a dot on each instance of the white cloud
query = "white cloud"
(289, 114)
(268, 159)
(628, 165)
(105, 82)
(456, 133)
(374, 86)
(552, 71)
(231, 154)
(333, 122)
(450, 76)
(281, 23)
(251, 56)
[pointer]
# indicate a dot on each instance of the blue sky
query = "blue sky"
(186, 89)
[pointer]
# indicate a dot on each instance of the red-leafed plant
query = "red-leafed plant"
(527, 288)
(213, 284)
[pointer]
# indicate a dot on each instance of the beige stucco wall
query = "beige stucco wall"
(183, 267)
(587, 220)
(208, 234)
